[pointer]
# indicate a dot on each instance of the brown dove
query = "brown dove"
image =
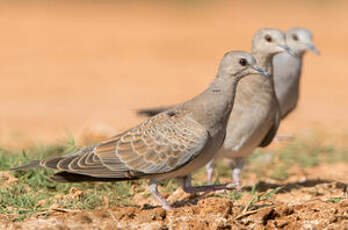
(256, 115)
(171, 144)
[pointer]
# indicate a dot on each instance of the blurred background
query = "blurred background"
(84, 67)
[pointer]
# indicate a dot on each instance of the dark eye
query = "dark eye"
(294, 37)
(268, 38)
(243, 62)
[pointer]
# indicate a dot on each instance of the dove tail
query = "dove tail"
(32, 164)
(65, 177)
(151, 112)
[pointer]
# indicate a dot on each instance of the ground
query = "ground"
(300, 185)
(81, 69)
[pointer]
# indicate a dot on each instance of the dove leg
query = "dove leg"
(210, 171)
(188, 188)
(239, 163)
(153, 184)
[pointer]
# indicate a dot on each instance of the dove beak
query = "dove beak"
(261, 71)
(313, 48)
(288, 50)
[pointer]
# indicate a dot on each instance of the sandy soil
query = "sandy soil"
(302, 202)
(84, 67)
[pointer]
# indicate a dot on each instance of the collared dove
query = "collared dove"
(171, 144)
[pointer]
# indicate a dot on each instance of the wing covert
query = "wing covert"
(161, 144)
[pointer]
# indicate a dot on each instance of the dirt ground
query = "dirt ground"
(85, 67)
(309, 199)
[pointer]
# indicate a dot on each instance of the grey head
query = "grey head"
(300, 40)
(270, 42)
(237, 64)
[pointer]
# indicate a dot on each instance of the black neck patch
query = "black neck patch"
(171, 113)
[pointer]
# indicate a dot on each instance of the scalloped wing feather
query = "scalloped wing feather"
(159, 145)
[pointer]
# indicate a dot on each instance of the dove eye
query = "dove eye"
(268, 38)
(243, 62)
(294, 37)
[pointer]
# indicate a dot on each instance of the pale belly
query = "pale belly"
(246, 129)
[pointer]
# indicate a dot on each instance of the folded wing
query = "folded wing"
(159, 145)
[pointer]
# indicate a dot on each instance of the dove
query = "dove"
(287, 72)
(169, 145)
(255, 118)
(256, 107)
(288, 68)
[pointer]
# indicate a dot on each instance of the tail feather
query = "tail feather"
(33, 164)
(52, 163)
(151, 112)
(74, 177)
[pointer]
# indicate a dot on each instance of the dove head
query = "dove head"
(237, 64)
(269, 42)
(300, 40)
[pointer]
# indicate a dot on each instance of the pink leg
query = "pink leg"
(210, 171)
(236, 172)
(154, 191)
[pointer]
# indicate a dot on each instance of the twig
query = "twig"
(65, 210)
(252, 200)
(248, 213)
(240, 216)
(112, 216)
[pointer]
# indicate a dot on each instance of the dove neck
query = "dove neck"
(265, 61)
(217, 102)
(223, 86)
(299, 54)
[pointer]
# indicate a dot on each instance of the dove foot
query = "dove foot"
(153, 184)
(188, 188)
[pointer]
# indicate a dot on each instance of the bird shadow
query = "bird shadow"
(263, 186)
(192, 200)
(189, 201)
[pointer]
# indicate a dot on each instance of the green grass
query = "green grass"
(33, 193)
(256, 197)
(33, 187)
(305, 153)
(336, 199)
